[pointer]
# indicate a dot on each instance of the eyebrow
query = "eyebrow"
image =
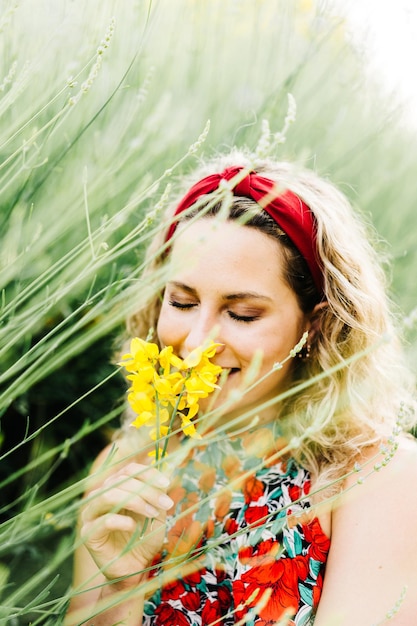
(232, 297)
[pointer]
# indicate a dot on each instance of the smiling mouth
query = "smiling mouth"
(227, 373)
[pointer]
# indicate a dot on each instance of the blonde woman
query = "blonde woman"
(299, 504)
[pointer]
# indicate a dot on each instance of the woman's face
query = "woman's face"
(226, 284)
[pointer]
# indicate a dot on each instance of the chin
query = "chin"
(224, 410)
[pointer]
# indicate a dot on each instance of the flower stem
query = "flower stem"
(171, 421)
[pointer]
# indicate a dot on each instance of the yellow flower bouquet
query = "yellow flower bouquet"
(165, 387)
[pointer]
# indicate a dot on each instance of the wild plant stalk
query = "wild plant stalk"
(101, 106)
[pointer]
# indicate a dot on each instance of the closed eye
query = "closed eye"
(243, 318)
(181, 305)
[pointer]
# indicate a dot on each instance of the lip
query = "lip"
(231, 371)
(227, 374)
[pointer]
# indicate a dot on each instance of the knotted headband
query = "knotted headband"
(291, 214)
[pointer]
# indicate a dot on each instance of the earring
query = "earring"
(305, 351)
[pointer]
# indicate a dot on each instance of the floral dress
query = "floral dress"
(242, 544)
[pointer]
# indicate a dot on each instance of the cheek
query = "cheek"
(163, 328)
(168, 329)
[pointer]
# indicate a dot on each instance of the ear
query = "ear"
(314, 321)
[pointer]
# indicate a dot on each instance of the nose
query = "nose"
(203, 328)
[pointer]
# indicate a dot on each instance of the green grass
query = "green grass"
(100, 103)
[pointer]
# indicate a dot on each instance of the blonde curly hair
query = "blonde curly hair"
(359, 379)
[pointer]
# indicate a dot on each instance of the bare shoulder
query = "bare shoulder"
(371, 571)
(382, 492)
(390, 474)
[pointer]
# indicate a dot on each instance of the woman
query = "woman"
(265, 520)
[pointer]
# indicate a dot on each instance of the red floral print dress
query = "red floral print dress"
(242, 545)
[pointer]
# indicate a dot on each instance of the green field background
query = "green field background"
(103, 105)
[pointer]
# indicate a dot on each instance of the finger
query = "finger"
(97, 533)
(147, 473)
(114, 499)
(152, 495)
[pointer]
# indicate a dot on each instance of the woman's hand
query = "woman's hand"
(123, 522)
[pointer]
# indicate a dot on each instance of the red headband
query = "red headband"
(286, 209)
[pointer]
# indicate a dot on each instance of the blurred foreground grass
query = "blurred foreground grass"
(100, 103)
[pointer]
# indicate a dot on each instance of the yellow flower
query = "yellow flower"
(169, 386)
(164, 386)
(201, 382)
(167, 358)
(209, 374)
(192, 407)
(158, 453)
(144, 373)
(196, 388)
(142, 354)
(188, 428)
(141, 402)
(200, 354)
(141, 384)
(143, 419)
(163, 432)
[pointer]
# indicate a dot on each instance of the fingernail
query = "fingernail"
(163, 481)
(165, 501)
